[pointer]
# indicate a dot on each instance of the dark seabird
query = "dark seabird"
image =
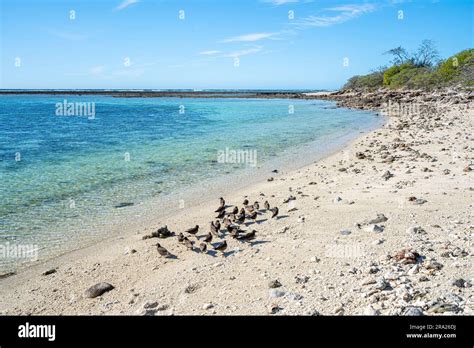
(266, 205)
(245, 202)
(240, 219)
(203, 247)
(180, 237)
(256, 206)
(193, 230)
(248, 236)
(222, 201)
(235, 210)
(214, 229)
(274, 212)
(162, 251)
(208, 238)
(221, 208)
(188, 243)
(250, 208)
(221, 214)
(221, 246)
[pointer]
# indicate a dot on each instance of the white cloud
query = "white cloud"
(245, 52)
(342, 14)
(209, 53)
(249, 37)
(68, 36)
(125, 4)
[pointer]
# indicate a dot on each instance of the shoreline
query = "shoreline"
(80, 263)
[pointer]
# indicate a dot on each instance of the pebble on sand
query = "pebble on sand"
(98, 289)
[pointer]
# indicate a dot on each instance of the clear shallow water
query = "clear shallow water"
(73, 171)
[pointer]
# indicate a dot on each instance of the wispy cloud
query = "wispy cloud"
(68, 36)
(280, 2)
(125, 4)
(337, 15)
(244, 52)
(209, 53)
(249, 37)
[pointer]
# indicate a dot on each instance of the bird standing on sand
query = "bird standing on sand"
(221, 214)
(208, 238)
(253, 216)
(193, 230)
(214, 229)
(274, 212)
(221, 247)
(266, 205)
(248, 236)
(203, 247)
(256, 206)
(222, 201)
(245, 202)
(162, 251)
(240, 219)
(180, 237)
(249, 208)
(218, 225)
(221, 208)
(235, 210)
(226, 222)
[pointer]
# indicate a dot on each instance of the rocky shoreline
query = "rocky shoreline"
(383, 227)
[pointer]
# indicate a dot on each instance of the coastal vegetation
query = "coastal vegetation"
(422, 69)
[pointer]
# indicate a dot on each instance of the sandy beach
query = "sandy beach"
(383, 227)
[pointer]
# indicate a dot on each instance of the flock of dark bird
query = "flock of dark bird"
(226, 223)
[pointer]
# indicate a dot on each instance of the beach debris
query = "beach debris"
(418, 201)
(49, 271)
(191, 288)
(467, 169)
(270, 179)
(123, 204)
(274, 284)
(345, 232)
(360, 155)
(407, 256)
(98, 290)
(290, 198)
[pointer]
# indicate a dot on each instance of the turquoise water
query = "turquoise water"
(63, 176)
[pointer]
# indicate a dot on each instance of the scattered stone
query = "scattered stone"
(413, 311)
(274, 293)
(433, 265)
(98, 289)
(49, 271)
(374, 228)
(6, 275)
(274, 284)
(207, 306)
(416, 230)
(337, 199)
(467, 169)
(379, 219)
(301, 279)
(191, 288)
(460, 283)
(270, 179)
(345, 232)
(315, 259)
(407, 256)
(382, 284)
(387, 175)
(123, 204)
(371, 311)
(441, 307)
(150, 304)
(360, 155)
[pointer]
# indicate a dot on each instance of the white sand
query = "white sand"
(320, 269)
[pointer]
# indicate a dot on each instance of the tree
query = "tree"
(400, 55)
(427, 54)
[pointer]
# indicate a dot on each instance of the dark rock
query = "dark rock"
(98, 289)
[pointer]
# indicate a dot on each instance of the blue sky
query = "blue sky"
(218, 43)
